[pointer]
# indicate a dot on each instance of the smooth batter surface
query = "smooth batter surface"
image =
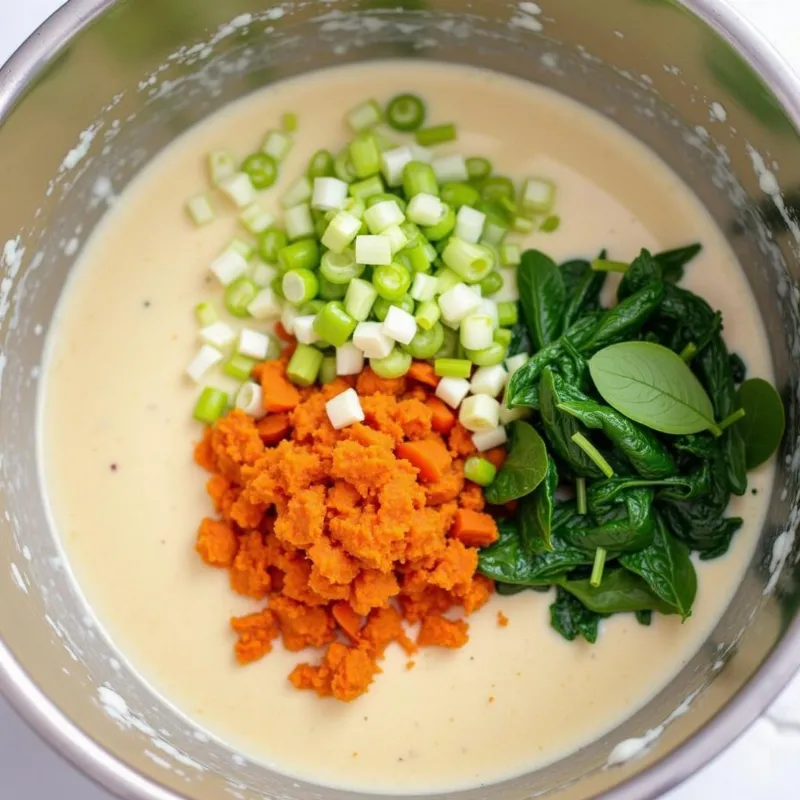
(117, 434)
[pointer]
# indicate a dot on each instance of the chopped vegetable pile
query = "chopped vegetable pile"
(390, 338)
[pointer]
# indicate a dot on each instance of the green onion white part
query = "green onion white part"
(341, 231)
(330, 194)
(250, 399)
(509, 293)
(221, 165)
(200, 209)
(265, 305)
(469, 224)
(426, 209)
(371, 340)
(477, 332)
(364, 116)
(359, 299)
(538, 196)
(399, 325)
(277, 145)
(349, 360)
(423, 288)
(299, 192)
(288, 317)
(373, 250)
(383, 215)
(479, 412)
(344, 409)
(229, 266)
(299, 222)
(450, 168)
(253, 344)
(206, 358)
(206, 313)
(218, 334)
(458, 303)
(238, 189)
(489, 380)
(255, 219)
(452, 391)
(489, 439)
(393, 162)
(304, 329)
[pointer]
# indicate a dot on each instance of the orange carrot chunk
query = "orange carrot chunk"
(443, 418)
(273, 428)
(423, 372)
(282, 333)
(429, 456)
(279, 395)
(496, 456)
(474, 528)
(347, 620)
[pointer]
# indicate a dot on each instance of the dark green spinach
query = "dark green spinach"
(542, 297)
(524, 469)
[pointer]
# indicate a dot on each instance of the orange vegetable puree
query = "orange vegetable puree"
(346, 534)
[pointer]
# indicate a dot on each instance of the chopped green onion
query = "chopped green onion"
(397, 239)
(499, 187)
(277, 145)
(221, 166)
(277, 287)
(334, 324)
(689, 352)
(342, 168)
(450, 346)
(321, 165)
(452, 367)
(366, 115)
(426, 343)
(419, 258)
(290, 122)
(369, 187)
(359, 299)
(391, 281)
(250, 399)
(211, 405)
(299, 286)
(472, 262)
(381, 306)
(510, 254)
(395, 365)
(304, 365)
(383, 215)
(299, 192)
(373, 199)
(523, 224)
(340, 267)
(206, 313)
(355, 206)
(507, 314)
(419, 178)
(405, 112)
(503, 336)
(373, 250)
(424, 287)
(239, 295)
(200, 210)
(242, 247)
(606, 265)
(427, 315)
(331, 291)
(443, 228)
(341, 232)
(550, 224)
(261, 169)
(238, 189)
(494, 233)
(594, 454)
(446, 280)
(457, 195)
(450, 168)
(303, 254)
(491, 284)
(270, 243)
(538, 196)
(489, 356)
(365, 156)
(479, 470)
(479, 168)
(255, 219)
(312, 307)
(477, 332)
(438, 134)
(239, 366)
(598, 567)
(327, 371)
(580, 495)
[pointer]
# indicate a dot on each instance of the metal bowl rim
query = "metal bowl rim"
(64, 737)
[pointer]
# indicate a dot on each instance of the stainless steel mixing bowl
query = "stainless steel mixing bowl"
(104, 85)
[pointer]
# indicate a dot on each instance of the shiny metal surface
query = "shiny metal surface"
(83, 83)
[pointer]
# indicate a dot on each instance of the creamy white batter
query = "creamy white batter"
(117, 433)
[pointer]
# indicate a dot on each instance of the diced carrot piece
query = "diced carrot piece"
(474, 528)
(279, 394)
(497, 455)
(273, 428)
(429, 456)
(282, 333)
(443, 419)
(347, 620)
(423, 372)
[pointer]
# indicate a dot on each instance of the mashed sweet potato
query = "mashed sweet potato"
(349, 536)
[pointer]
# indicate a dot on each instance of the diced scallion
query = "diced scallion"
(304, 365)
(211, 405)
(479, 470)
(200, 209)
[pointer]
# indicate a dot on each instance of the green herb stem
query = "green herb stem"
(580, 495)
(689, 352)
(594, 454)
(606, 265)
(733, 418)
(598, 566)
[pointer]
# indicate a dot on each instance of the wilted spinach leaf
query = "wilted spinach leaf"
(572, 619)
(764, 421)
(619, 591)
(542, 296)
(535, 513)
(523, 470)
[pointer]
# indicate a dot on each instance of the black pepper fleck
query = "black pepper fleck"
(114, 467)
(754, 491)
(147, 304)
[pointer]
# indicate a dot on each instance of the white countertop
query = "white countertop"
(763, 765)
